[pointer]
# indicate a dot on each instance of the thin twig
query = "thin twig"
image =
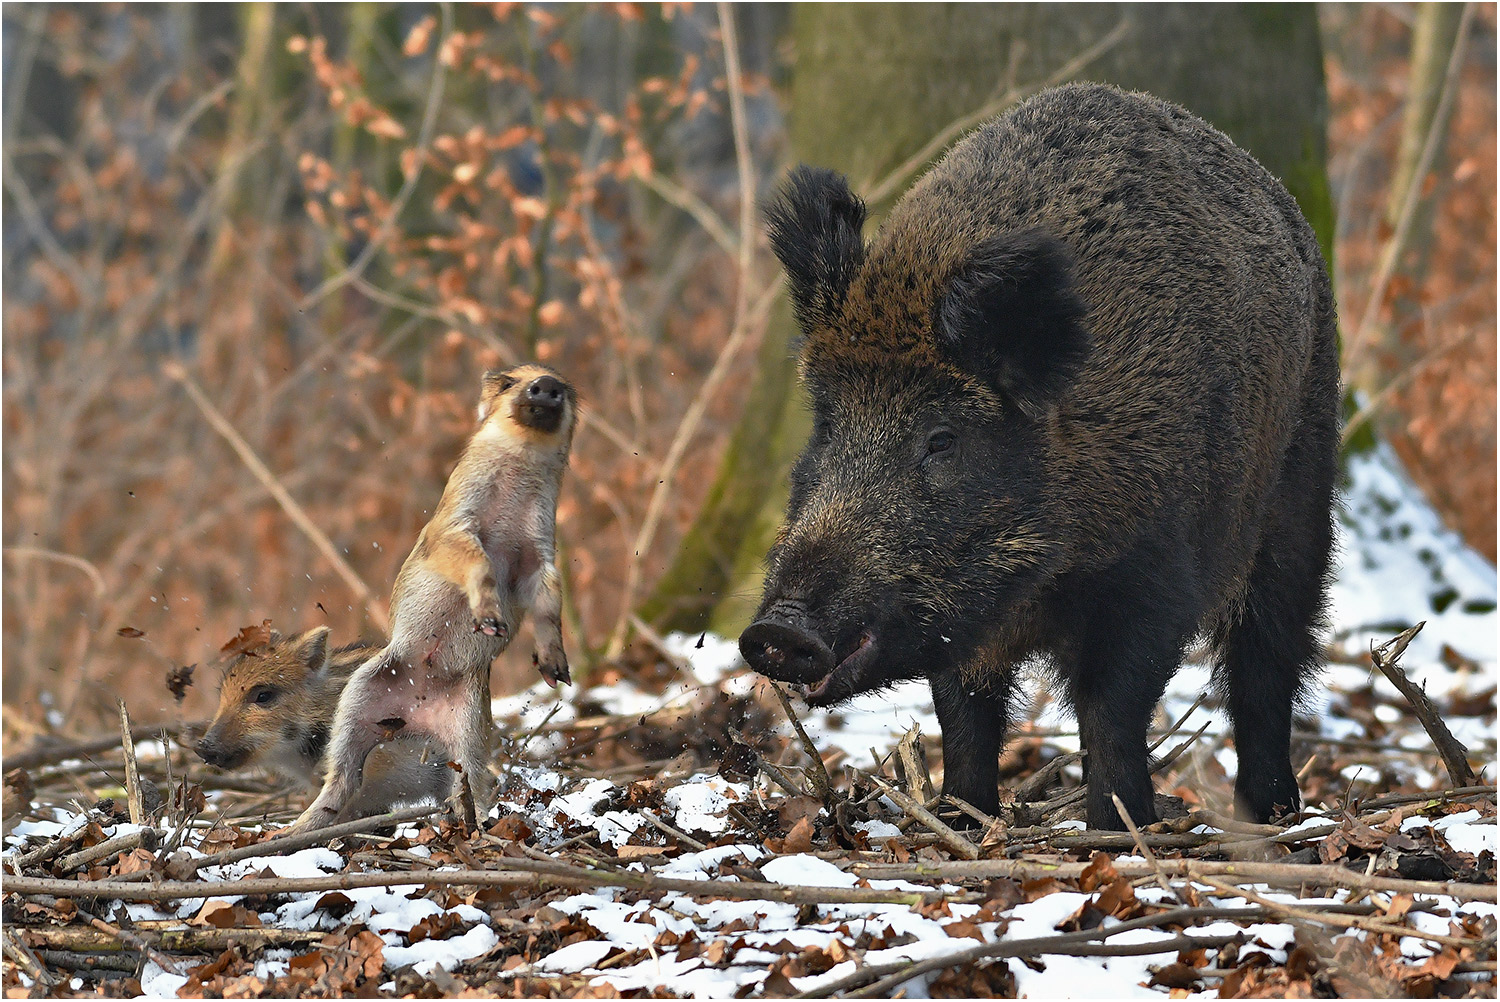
(132, 771)
(175, 371)
(1405, 377)
(1387, 658)
(694, 206)
(1145, 850)
(1177, 724)
(62, 558)
(744, 317)
(820, 781)
(666, 829)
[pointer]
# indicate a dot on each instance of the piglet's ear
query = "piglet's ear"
(815, 226)
(311, 648)
(1011, 317)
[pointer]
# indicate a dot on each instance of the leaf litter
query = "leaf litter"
(662, 833)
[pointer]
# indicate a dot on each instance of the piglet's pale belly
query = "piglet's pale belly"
(409, 698)
(434, 624)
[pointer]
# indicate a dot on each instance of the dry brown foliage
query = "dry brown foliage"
(334, 252)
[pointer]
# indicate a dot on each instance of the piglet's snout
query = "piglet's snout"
(545, 391)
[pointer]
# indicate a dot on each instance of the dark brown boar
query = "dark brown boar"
(1076, 402)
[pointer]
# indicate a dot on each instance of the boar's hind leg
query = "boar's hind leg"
(1270, 651)
(973, 724)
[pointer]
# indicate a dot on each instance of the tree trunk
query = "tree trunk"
(873, 85)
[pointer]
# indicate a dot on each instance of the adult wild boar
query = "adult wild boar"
(1076, 402)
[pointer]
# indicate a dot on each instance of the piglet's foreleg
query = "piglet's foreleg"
(458, 556)
(545, 587)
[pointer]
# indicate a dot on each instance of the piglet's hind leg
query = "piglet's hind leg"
(369, 711)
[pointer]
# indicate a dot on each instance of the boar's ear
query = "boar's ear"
(815, 226)
(1011, 316)
(311, 648)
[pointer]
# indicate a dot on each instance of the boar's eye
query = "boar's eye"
(940, 442)
(263, 695)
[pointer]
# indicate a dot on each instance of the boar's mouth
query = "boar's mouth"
(790, 651)
(836, 685)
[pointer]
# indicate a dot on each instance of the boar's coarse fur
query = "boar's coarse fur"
(1077, 402)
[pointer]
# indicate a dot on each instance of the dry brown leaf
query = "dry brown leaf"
(248, 639)
(800, 838)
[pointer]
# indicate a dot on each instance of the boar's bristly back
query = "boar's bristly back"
(816, 227)
(1012, 317)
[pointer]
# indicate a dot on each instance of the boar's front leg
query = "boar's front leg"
(1116, 678)
(973, 723)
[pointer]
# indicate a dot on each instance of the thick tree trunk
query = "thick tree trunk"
(873, 85)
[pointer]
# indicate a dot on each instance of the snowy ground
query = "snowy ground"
(1398, 565)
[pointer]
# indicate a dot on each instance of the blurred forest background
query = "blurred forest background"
(256, 257)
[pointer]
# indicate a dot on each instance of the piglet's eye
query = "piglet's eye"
(263, 696)
(940, 441)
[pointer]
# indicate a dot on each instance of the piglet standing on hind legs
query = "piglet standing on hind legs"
(484, 559)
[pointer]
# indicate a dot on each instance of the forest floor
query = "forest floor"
(665, 831)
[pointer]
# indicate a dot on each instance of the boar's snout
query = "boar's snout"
(781, 645)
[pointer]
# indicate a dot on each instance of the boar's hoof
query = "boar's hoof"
(786, 652)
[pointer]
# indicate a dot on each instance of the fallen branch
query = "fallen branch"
(955, 842)
(1387, 658)
(281, 845)
(1037, 783)
(530, 873)
(1435, 798)
(22, 956)
(70, 960)
(53, 847)
(187, 939)
(1067, 943)
(128, 937)
(1301, 914)
(1169, 945)
(1277, 874)
(148, 838)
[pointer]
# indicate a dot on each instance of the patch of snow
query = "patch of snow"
(806, 871)
(702, 803)
(877, 829)
(576, 956)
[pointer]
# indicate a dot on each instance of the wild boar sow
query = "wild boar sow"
(1076, 402)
